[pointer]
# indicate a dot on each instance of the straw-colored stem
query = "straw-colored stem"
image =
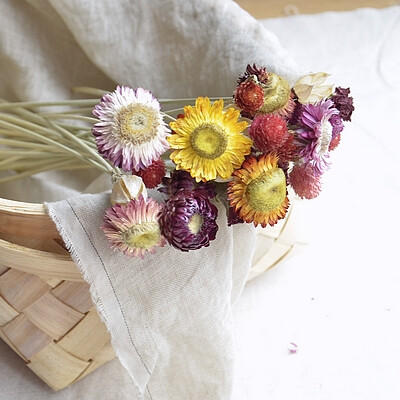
(26, 163)
(169, 116)
(56, 166)
(21, 143)
(23, 153)
(84, 146)
(9, 161)
(54, 143)
(89, 91)
(20, 123)
(175, 110)
(68, 116)
(32, 104)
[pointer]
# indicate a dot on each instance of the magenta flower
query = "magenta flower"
(131, 132)
(188, 220)
(180, 179)
(315, 135)
(343, 102)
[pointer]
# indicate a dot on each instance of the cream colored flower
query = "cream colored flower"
(127, 187)
(311, 89)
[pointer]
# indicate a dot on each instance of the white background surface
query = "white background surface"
(338, 299)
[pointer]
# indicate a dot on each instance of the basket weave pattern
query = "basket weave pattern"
(53, 326)
(46, 314)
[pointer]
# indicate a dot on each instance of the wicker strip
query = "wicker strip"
(55, 330)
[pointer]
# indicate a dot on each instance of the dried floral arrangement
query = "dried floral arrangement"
(243, 151)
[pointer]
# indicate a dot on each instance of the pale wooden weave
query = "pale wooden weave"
(53, 326)
(46, 313)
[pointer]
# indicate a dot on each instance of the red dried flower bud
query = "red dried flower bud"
(152, 175)
(269, 132)
(249, 96)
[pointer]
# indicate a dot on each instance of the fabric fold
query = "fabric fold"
(169, 315)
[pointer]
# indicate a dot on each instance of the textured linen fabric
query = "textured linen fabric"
(169, 315)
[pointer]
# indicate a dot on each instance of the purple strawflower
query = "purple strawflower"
(182, 180)
(337, 125)
(188, 220)
(343, 102)
(233, 217)
(315, 135)
(295, 118)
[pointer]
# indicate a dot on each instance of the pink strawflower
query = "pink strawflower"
(337, 124)
(131, 132)
(315, 135)
(303, 181)
(133, 228)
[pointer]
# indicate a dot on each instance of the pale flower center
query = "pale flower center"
(268, 191)
(195, 223)
(325, 137)
(142, 236)
(209, 141)
(137, 123)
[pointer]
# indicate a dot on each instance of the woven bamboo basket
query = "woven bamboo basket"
(46, 313)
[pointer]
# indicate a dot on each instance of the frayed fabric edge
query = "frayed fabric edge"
(93, 292)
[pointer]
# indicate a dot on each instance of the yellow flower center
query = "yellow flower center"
(142, 236)
(209, 141)
(267, 191)
(137, 123)
(195, 223)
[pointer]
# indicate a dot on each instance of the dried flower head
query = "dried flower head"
(254, 72)
(311, 89)
(208, 141)
(133, 228)
(249, 97)
(182, 180)
(343, 102)
(258, 191)
(153, 174)
(131, 132)
(188, 220)
(304, 182)
(268, 132)
(316, 134)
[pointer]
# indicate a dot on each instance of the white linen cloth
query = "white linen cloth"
(170, 315)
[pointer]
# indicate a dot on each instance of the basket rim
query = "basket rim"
(38, 262)
(26, 219)
(21, 207)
